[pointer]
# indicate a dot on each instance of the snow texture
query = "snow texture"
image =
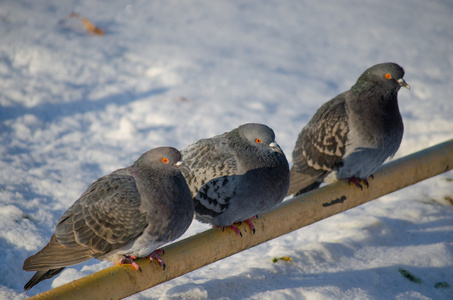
(75, 106)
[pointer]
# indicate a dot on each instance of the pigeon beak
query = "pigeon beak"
(403, 83)
(275, 147)
(181, 164)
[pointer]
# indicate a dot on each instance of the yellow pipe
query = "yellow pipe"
(212, 245)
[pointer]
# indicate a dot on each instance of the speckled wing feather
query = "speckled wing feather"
(211, 184)
(320, 146)
(106, 217)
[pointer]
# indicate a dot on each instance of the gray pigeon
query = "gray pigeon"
(236, 175)
(122, 216)
(352, 134)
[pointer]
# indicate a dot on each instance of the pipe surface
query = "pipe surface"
(212, 245)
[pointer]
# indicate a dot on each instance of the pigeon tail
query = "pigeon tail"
(40, 276)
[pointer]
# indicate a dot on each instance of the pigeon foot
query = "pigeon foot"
(129, 260)
(156, 255)
(356, 181)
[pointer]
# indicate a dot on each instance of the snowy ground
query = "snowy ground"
(76, 106)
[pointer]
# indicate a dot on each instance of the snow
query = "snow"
(75, 106)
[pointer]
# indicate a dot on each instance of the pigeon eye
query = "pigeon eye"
(165, 160)
(388, 76)
(258, 141)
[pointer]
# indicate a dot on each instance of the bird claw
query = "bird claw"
(236, 230)
(249, 222)
(232, 227)
(366, 183)
(356, 181)
(156, 255)
(252, 227)
(129, 260)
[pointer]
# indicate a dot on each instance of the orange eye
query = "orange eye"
(388, 76)
(258, 141)
(165, 160)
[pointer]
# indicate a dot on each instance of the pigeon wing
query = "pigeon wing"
(320, 146)
(106, 217)
(211, 179)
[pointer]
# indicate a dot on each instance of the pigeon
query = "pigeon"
(122, 216)
(236, 175)
(351, 135)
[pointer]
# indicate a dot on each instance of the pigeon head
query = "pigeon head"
(260, 136)
(165, 158)
(387, 76)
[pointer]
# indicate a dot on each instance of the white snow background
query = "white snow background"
(75, 106)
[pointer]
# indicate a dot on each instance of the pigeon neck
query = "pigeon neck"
(139, 172)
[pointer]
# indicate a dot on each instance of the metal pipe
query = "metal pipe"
(212, 245)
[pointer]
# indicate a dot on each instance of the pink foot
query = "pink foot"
(232, 227)
(249, 222)
(236, 230)
(129, 260)
(156, 255)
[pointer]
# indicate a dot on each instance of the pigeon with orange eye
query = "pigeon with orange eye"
(236, 175)
(351, 135)
(122, 216)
